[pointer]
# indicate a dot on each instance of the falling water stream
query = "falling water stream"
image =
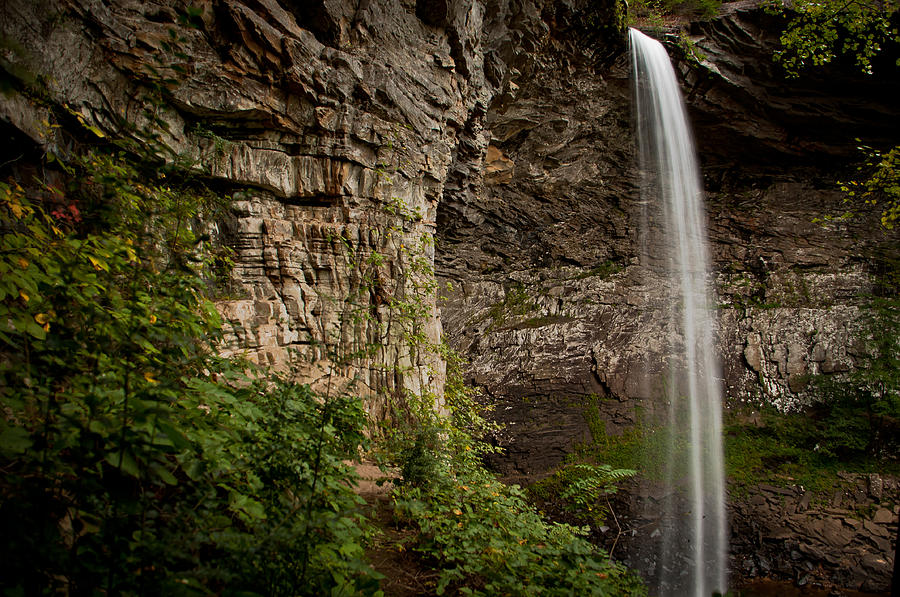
(694, 546)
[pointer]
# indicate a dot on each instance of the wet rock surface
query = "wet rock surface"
(847, 541)
(501, 129)
(842, 541)
(553, 304)
(553, 222)
(749, 113)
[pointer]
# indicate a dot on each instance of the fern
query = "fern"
(581, 490)
(587, 483)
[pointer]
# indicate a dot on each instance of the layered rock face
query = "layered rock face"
(552, 300)
(565, 321)
(333, 125)
(777, 531)
(365, 143)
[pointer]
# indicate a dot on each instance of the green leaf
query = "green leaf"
(124, 460)
(33, 328)
(163, 474)
(175, 436)
(95, 130)
(14, 440)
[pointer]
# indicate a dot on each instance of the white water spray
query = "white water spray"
(671, 183)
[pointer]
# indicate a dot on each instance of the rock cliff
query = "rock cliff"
(350, 134)
(333, 125)
(562, 319)
(550, 299)
(371, 148)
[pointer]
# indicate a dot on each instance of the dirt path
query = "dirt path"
(404, 572)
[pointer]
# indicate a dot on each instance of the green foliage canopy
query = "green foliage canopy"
(490, 541)
(135, 460)
(816, 33)
(819, 31)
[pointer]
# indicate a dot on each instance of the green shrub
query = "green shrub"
(486, 539)
(582, 490)
(656, 14)
(135, 460)
(420, 461)
(482, 536)
(807, 448)
(818, 32)
(643, 447)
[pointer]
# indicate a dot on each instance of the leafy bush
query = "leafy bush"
(488, 540)
(644, 447)
(582, 489)
(878, 181)
(482, 536)
(808, 448)
(135, 460)
(656, 14)
(419, 461)
(818, 31)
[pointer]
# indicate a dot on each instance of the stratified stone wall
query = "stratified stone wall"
(551, 299)
(363, 143)
(562, 320)
(332, 125)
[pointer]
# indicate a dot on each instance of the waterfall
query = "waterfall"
(694, 546)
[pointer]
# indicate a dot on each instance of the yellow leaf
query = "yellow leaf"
(23, 263)
(16, 209)
(152, 319)
(56, 231)
(457, 511)
(95, 130)
(98, 265)
(149, 377)
(24, 296)
(42, 318)
(46, 327)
